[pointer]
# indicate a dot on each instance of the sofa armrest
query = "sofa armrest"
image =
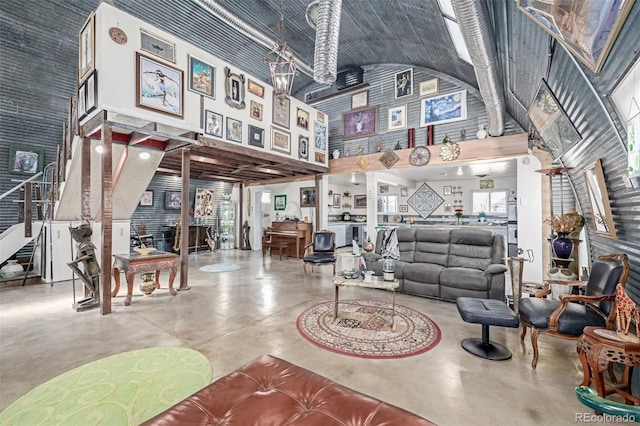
(495, 268)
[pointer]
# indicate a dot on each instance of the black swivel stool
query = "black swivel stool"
(486, 312)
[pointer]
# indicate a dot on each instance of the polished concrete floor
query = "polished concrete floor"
(233, 317)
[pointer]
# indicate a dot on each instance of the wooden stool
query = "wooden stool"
(281, 246)
(597, 348)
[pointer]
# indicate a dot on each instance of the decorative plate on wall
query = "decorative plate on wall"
(425, 200)
(117, 35)
(389, 158)
(420, 156)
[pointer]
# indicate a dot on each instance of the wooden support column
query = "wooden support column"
(184, 220)
(318, 200)
(85, 180)
(240, 215)
(107, 217)
(28, 222)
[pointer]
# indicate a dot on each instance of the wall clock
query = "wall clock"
(117, 35)
(420, 156)
(449, 151)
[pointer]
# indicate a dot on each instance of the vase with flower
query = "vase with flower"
(458, 214)
(562, 225)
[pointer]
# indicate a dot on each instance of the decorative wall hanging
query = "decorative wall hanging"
(397, 118)
(307, 197)
(486, 183)
(363, 162)
(337, 201)
(302, 119)
(404, 192)
(303, 147)
(404, 208)
(449, 150)
(599, 200)
(420, 156)
(280, 140)
(360, 123)
(118, 35)
(203, 205)
(255, 88)
(234, 130)
(157, 46)
(255, 108)
(92, 92)
(86, 48)
(447, 190)
(147, 198)
(202, 77)
(279, 202)
(425, 201)
(234, 88)
(404, 83)
(359, 201)
(551, 122)
(321, 136)
(281, 111)
(320, 157)
(320, 117)
(444, 108)
(159, 86)
(25, 160)
(384, 189)
(360, 100)
(389, 158)
(587, 29)
(256, 136)
(429, 87)
(172, 200)
(213, 123)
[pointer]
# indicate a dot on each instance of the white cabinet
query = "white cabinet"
(341, 234)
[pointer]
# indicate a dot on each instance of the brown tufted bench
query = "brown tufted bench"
(272, 391)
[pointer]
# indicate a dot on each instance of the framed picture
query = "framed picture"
(320, 117)
(256, 136)
(307, 197)
(234, 130)
(397, 117)
(587, 31)
(389, 158)
(213, 123)
(255, 109)
(447, 190)
(429, 87)
(404, 192)
(404, 83)
(321, 136)
(147, 198)
(486, 183)
(302, 118)
(404, 208)
(172, 200)
(157, 46)
(279, 202)
(234, 89)
(203, 204)
(303, 147)
(280, 141)
(360, 100)
(158, 86)
(255, 88)
(82, 101)
(551, 122)
(337, 201)
(91, 84)
(25, 160)
(86, 48)
(384, 189)
(448, 208)
(360, 201)
(444, 108)
(202, 77)
(360, 123)
(281, 111)
(320, 157)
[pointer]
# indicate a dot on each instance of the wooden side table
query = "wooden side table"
(597, 348)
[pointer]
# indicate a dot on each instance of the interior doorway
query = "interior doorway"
(261, 216)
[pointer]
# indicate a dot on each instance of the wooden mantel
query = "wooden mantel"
(471, 150)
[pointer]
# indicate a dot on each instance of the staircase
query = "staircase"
(13, 239)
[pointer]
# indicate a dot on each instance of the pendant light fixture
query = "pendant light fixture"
(282, 65)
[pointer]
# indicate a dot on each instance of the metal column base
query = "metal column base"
(484, 348)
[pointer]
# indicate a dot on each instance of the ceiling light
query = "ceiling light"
(459, 172)
(144, 155)
(282, 65)
(353, 178)
(99, 149)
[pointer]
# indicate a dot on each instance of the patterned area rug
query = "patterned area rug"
(220, 267)
(364, 330)
(123, 389)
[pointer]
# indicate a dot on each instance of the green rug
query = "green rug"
(127, 388)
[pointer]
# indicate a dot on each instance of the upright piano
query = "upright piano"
(297, 234)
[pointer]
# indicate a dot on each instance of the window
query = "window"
(489, 201)
(387, 203)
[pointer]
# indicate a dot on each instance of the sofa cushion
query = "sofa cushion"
(472, 279)
(407, 243)
(471, 248)
(423, 272)
(432, 246)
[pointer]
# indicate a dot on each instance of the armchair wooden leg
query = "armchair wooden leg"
(334, 268)
(534, 343)
(304, 265)
(524, 332)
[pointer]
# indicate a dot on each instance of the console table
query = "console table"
(134, 263)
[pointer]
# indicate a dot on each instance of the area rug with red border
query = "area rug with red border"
(364, 329)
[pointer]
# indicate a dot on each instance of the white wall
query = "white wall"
(529, 215)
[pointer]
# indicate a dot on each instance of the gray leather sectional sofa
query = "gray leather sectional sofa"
(447, 263)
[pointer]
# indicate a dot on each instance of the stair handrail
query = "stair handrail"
(15, 188)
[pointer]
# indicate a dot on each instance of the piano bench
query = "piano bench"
(280, 245)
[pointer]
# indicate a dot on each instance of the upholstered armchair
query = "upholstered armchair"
(566, 318)
(322, 250)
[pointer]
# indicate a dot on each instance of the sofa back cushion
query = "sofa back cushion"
(406, 243)
(472, 248)
(432, 246)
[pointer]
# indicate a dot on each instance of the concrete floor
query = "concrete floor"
(233, 317)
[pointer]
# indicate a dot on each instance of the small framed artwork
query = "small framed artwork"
(147, 198)
(172, 200)
(157, 46)
(320, 157)
(92, 92)
(360, 201)
(281, 111)
(360, 100)
(202, 77)
(256, 136)
(486, 183)
(404, 192)
(82, 101)
(234, 130)
(302, 118)
(320, 117)
(256, 110)
(307, 197)
(86, 58)
(429, 87)
(444, 108)
(404, 83)
(404, 208)
(159, 86)
(448, 208)
(213, 123)
(303, 147)
(389, 158)
(203, 205)
(279, 202)
(337, 201)
(255, 88)
(25, 160)
(447, 190)
(384, 189)
(280, 141)
(397, 117)
(360, 123)
(234, 88)
(321, 136)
